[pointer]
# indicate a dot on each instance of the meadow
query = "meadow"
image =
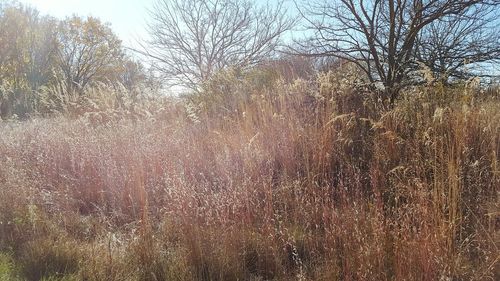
(255, 178)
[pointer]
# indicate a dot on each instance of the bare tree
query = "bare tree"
(382, 36)
(193, 39)
(461, 45)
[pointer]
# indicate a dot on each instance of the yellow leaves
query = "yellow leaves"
(89, 51)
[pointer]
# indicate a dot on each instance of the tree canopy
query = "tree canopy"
(193, 39)
(388, 39)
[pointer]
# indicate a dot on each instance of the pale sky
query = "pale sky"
(127, 17)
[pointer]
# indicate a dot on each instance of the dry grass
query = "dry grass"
(302, 181)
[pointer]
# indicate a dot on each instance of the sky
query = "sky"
(127, 17)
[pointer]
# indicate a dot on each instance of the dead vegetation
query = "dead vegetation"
(308, 180)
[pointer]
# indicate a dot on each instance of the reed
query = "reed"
(309, 180)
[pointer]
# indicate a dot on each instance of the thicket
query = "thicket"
(255, 178)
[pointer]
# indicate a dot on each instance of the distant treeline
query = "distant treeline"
(40, 52)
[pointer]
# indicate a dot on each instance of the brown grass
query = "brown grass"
(302, 181)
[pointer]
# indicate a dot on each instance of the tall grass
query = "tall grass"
(258, 181)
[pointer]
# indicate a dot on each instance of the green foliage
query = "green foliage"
(7, 270)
